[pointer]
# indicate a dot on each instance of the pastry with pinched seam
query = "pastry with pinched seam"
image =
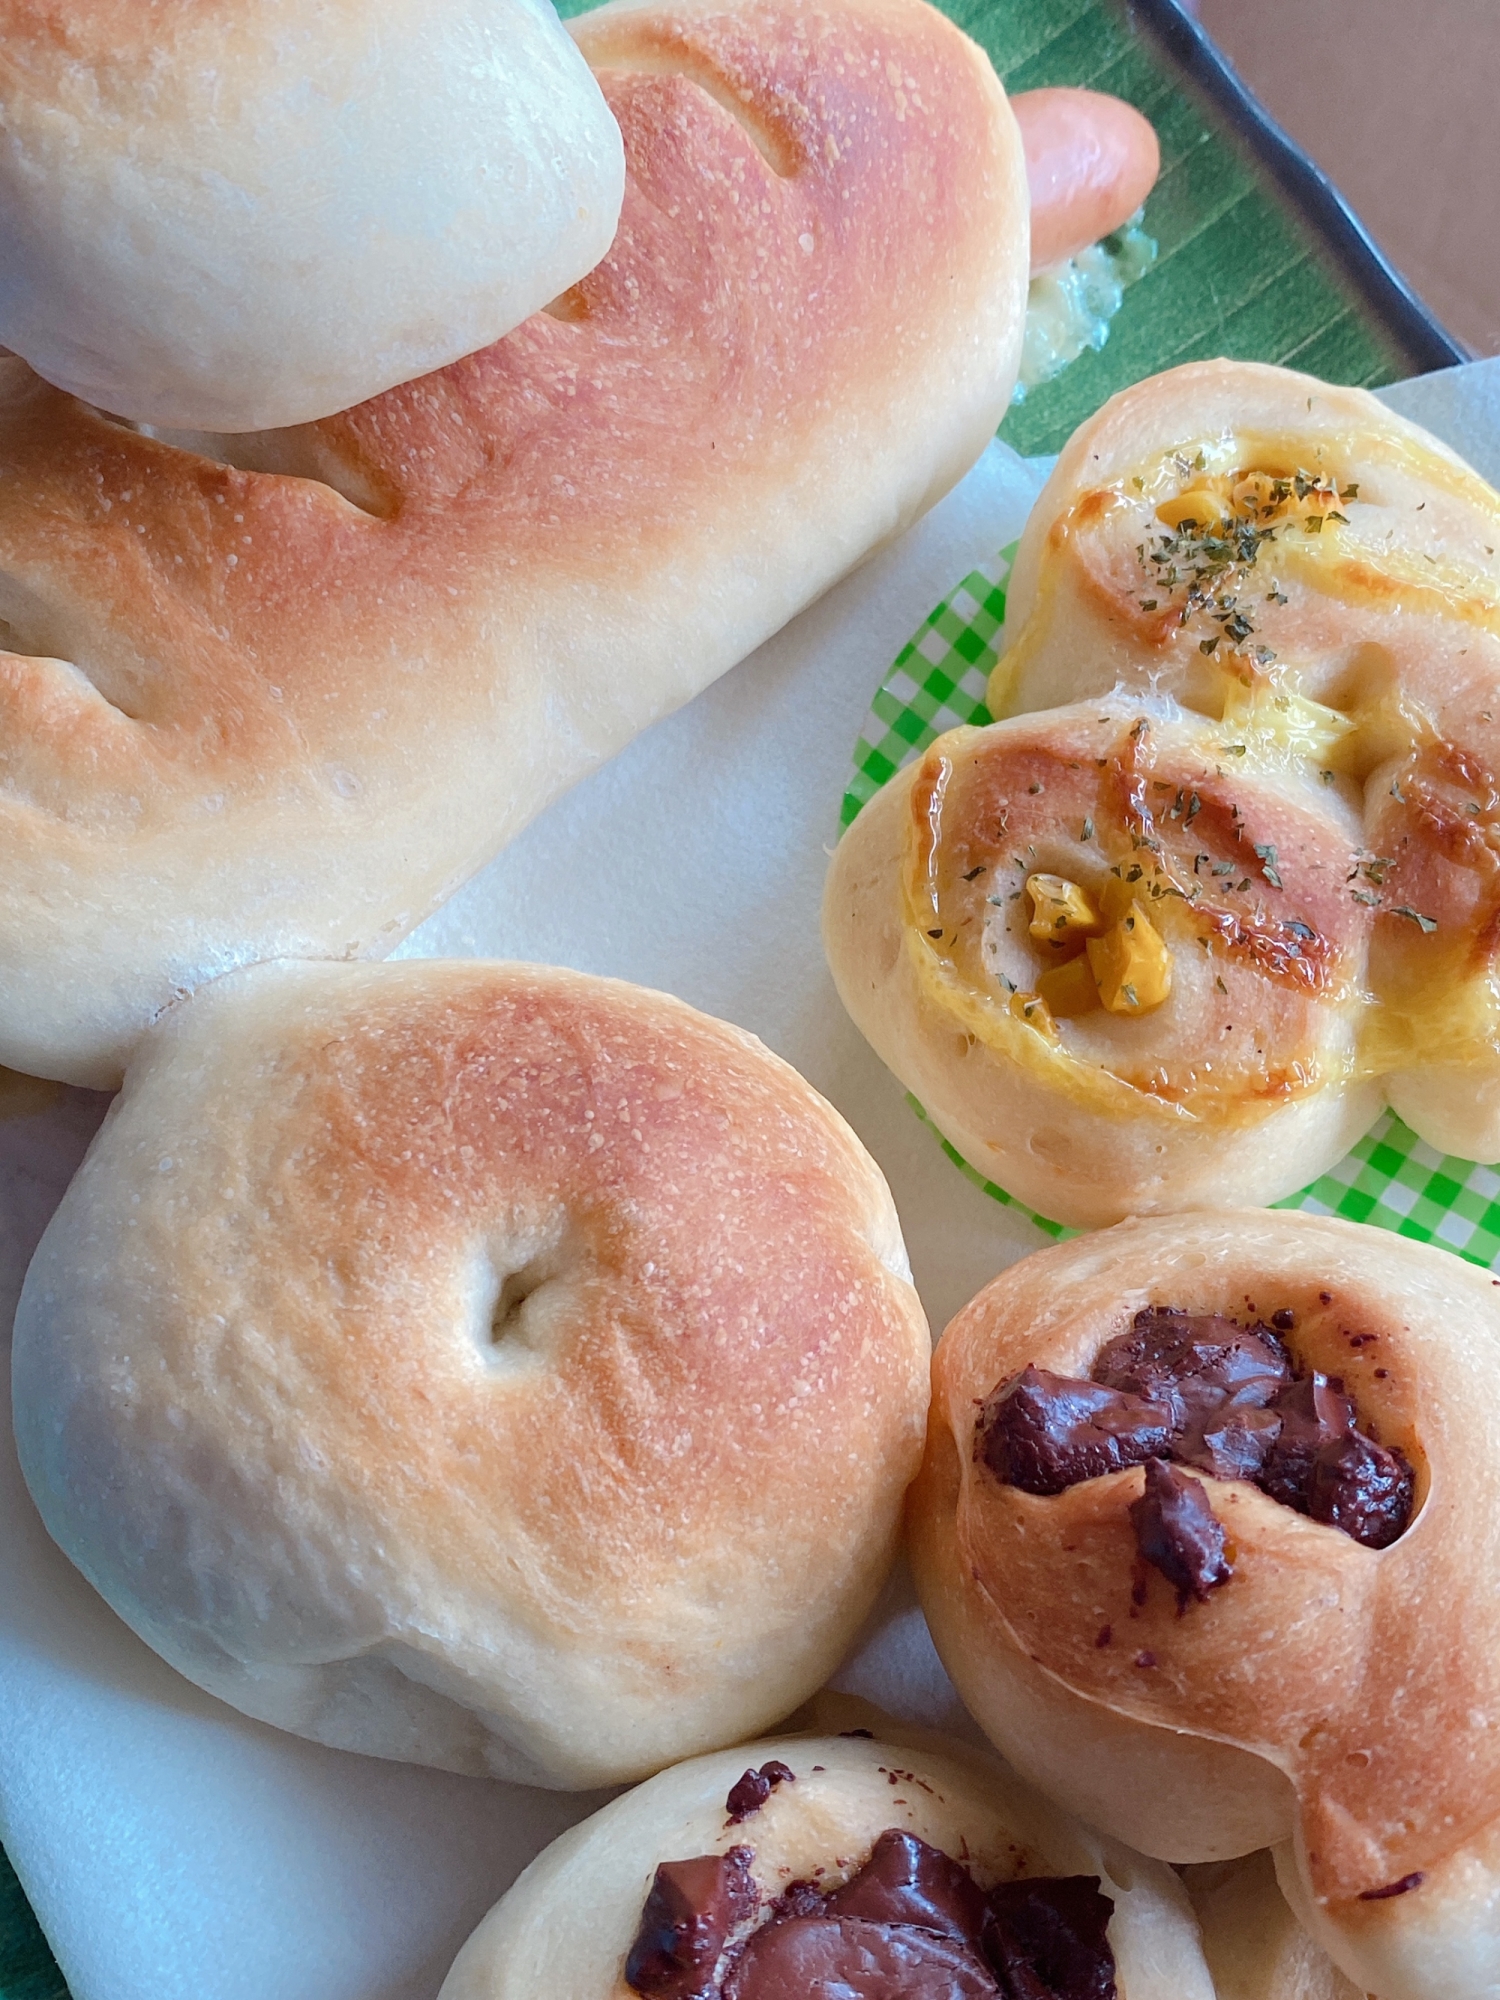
(1203, 1537)
(481, 1365)
(897, 1867)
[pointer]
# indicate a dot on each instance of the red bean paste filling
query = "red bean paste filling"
(911, 1925)
(1194, 1389)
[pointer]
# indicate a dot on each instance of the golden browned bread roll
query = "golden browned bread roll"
(283, 705)
(836, 1865)
(1205, 1536)
(239, 217)
(1253, 674)
(486, 1366)
(1235, 1076)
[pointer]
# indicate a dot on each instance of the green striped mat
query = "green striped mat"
(938, 680)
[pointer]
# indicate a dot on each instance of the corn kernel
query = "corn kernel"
(1069, 990)
(1202, 505)
(1132, 964)
(1062, 913)
(1034, 1011)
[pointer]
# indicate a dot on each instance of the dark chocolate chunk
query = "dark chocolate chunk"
(1045, 1432)
(1232, 1443)
(690, 1911)
(844, 1958)
(1047, 1939)
(1403, 1887)
(1195, 1364)
(1175, 1530)
(1313, 1414)
(905, 1881)
(748, 1794)
(1364, 1489)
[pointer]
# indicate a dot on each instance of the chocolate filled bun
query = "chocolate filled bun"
(899, 1867)
(1204, 1538)
(482, 1365)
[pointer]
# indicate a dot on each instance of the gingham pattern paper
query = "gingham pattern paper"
(1391, 1178)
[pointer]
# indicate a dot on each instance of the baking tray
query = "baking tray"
(1259, 258)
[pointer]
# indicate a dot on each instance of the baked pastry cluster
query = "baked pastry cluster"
(487, 1366)
(897, 1867)
(1223, 879)
(1203, 1538)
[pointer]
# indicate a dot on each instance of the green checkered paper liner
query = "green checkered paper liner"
(938, 680)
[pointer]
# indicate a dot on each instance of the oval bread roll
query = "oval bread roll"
(238, 217)
(485, 1366)
(1331, 1696)
(567, 1925)
(283, 706)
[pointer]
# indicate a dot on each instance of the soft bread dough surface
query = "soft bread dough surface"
(1346, 679)
(1256, 1949)
(1338, 1701)
(236, 216)
(565, 1927)
(246, 715)
(485, 1366)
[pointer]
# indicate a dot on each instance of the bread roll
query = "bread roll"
(286, 710)
(485, 1366)
(233, 218)
(1253, 668)
(1328, 1681)
(1243, 1082)
(567, 1926)
(1372, 598)
(1256, 1949)
(1091, 161)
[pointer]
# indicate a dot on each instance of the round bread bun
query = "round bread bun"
(484, 1366)
(277, 696)
(238, 223)
(1243, 1085)
(1335, 1699)
(1367, 650)
(566, 1926)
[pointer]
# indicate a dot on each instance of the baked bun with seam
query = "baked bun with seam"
(1256, 1949)
(278, 696)
(1122, 972)
(905, 1864)
(1204, 1538)
(1320, 578)
(486, 1366)
(238, 217)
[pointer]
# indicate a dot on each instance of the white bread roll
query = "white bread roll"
(1334, 1699)
(245, 716)
(1256, 1949)
(485, 1366)
(239, 217)
(565, 1928)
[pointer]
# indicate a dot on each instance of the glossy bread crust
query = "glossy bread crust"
(283, 706)
(485, 1366)
(1329, 1698)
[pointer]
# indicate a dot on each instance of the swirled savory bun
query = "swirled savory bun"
(283, 706)
(481, 1365)
(237, 217)
(1205, 1535)
(1320, 580)
(1256, 1949)
(1121, 971)
(908, 1868)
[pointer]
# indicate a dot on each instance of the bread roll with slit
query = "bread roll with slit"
(1328, 1696)
(568, 1924)
(280, 695)
(236, 217)
(1240, 1083)
(484, 1366)
(1372, 601)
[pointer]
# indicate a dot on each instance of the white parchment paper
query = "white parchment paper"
(176, 1851)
